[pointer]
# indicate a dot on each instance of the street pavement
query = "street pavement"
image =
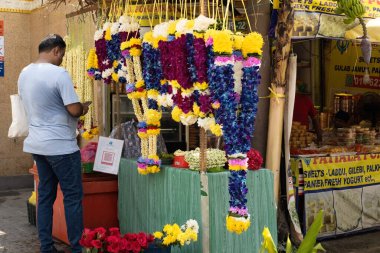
(18, 236)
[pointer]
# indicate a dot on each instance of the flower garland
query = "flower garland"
(93, 71)
(203, 106)
(105, 65)
(175, 63)
(76, 65)
(131, 73)
(233, 82)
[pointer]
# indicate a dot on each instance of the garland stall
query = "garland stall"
(203, 75)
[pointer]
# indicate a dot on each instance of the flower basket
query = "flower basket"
(157, 249)
(179, 162)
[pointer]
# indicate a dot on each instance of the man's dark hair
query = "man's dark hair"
(51, 41)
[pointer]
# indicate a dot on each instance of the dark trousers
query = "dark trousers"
(65, 170)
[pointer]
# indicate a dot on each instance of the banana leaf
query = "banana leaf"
(318, 247)
(289, 248)
(268, 244)
(308, 243)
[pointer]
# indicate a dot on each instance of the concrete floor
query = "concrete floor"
(18, 236)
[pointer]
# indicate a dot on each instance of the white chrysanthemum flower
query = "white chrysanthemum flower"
(238, 75)
(165, 100)
(206, 123)
(181, 26)
(237, 155)
(98, 34)
(161, 30)
(115, 28)
(193, 224)
(106, 73)
(188, 120)
(202, 23)
(121, 73)
(123, 19)
(124, 68)
(225, 63)
(134, 26)
(124, 27)
(106, 25)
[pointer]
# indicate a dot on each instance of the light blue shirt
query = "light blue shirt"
(45, 89)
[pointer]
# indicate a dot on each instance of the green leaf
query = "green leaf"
(348, 21)
(310, 239)
(203, 193)
(288, 246)
(338, 11)
(318, 247)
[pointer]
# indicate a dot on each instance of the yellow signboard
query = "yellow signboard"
(345, 69)
(327, 6)
(322, 173)
(317, 18)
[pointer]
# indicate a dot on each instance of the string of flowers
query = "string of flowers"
(174, 60)
(149, 120)
(77, 66)
(93, 71)
(203, 106)
(105, 65)
(233, 82)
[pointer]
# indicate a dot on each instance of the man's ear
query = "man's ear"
(55, 51)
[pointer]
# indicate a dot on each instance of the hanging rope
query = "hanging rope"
(233, 15)
(246, 15)
(225, 15)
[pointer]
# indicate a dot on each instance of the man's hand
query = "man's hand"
(85, 108)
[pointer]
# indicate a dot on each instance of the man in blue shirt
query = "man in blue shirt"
(53, 109)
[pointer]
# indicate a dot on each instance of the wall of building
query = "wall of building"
(22, 34)
(17, 39)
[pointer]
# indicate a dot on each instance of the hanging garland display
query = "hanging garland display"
(203, 75)
(234, 77)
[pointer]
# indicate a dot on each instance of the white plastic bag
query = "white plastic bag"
(20, 124)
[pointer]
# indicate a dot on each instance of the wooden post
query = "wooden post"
(202, 134)
(284, 31)
(205, 212)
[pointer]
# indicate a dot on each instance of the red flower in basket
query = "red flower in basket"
(128, 245)
(142, 240)
(255, 160)
(114, 231)
(136, 248)
(130, 237)
(96, 244)
(101, 233)
(87, 237)
(113, 244)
